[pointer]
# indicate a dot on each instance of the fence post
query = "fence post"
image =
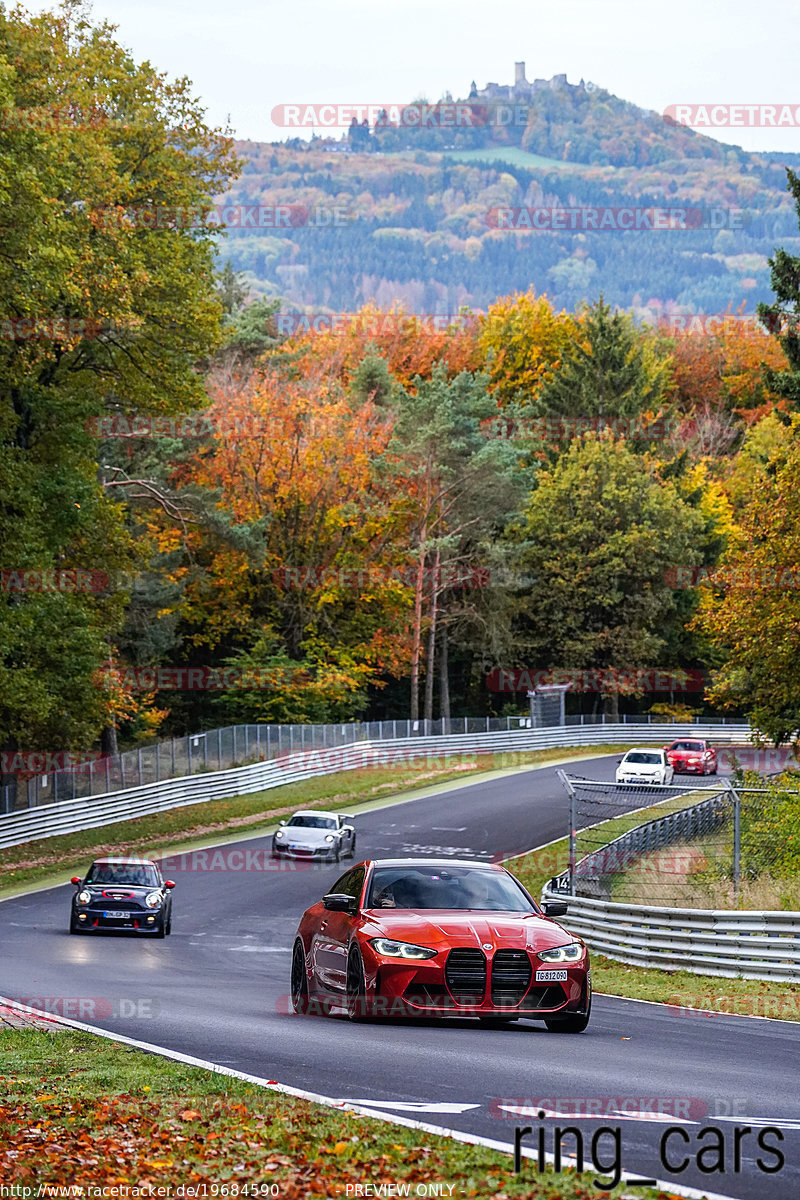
(737, 846)
(219, 749)
(573, 821)
(189, 753)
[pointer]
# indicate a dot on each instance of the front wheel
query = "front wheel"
(74, 927)
(352, 847)
(299, 979)
(356, 986)
(572, 1024)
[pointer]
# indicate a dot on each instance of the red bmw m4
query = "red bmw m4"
(439, 938)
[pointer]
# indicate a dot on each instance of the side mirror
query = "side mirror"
(281, 822)
(76, 879)
(338, 902)
(169, 883)
(555, 908)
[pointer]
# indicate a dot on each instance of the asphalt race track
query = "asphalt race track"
(217, 989)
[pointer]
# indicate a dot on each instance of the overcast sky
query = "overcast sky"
(245, 58)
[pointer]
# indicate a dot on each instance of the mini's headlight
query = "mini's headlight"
(329, 837)
(570, 953)
(279, 833)
(84, 897)
(391, 949)
(153, 899)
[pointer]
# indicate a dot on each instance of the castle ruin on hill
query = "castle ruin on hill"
(521, 88)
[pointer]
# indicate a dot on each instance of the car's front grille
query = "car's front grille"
(511, 976)
(545, 997)
(465, 974)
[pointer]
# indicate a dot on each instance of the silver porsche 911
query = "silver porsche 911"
(315, 835)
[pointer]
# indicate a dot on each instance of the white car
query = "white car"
(315, 835)
(645, 766)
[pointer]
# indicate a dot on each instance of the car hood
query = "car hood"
(300, 835)
(119, 891)
(442, 929)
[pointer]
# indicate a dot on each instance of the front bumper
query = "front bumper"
(318, 853)
(139, 920)
(446, 987)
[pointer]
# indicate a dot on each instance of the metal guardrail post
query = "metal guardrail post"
(737, 845)
(573, 817)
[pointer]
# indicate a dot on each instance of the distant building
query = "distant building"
(520, 89)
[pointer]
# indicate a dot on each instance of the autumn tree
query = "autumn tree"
(106, 303)
(461, 488)
(595, 540)
(752, 612)
(523, 340)
(782, 317)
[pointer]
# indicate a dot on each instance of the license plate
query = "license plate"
(551, 976)
(116, 916)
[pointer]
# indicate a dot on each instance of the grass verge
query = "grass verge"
(79, 1110)
(53, 859)
(685, 993)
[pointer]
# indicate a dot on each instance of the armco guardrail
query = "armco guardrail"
(746, 945)
(91, 812)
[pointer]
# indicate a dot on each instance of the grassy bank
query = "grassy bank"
(79, 1110)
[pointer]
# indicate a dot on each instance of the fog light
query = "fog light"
(151, 918)
(81, 916)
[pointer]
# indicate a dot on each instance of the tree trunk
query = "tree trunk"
(108, 741)
(432, 639)
(416, 646)
(444, 681)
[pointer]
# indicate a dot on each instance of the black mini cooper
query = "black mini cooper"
(122, 893)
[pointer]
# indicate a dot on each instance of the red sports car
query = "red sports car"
(692, 756)
(434, 938)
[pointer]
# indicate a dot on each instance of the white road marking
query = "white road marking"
(263, 949)
(421, 1106)
(790, 1123)
(449, 828)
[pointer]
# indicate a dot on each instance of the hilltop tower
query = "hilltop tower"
(519, 74)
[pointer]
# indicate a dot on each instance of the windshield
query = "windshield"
(640, 756)
(446, 888)
(696, 746)
(134, 874)
(314, 822)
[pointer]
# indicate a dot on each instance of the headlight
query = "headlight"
(391, 949)
(570, 953)
(329, 837)
(153, 899)
(84, 897)
(279, 833)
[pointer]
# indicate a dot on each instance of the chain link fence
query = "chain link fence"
(241, 745)
(709, 845)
